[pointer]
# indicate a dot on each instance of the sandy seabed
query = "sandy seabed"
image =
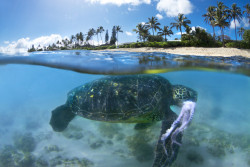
(197, 51)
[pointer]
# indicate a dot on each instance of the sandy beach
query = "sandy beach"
(198, 51)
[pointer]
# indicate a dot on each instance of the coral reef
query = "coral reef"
(72, 162)
(24, 142)
(11, 157)
(52, 148)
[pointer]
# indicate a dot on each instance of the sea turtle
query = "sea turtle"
(130, 99)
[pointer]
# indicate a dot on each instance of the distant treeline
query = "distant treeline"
(153, 35)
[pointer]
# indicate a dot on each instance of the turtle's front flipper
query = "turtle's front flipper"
(61, 116)
(161, 158)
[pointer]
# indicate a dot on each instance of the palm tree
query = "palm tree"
(97, 32)
(221, 18)
(90, 34)
(235, 14)
(153, 24)
(142, 31)
(181, 20)
(247, 11)
(166, 32)
(101, 30)
(118, 29)
(209, 17)
(241, 32)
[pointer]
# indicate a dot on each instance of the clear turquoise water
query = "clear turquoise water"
(218, 136)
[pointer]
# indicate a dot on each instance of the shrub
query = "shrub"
(157, 38)
(246, 36)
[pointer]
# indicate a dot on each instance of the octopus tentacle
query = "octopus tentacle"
(180, 124)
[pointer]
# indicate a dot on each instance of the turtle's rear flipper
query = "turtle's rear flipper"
(163, 159)
(61, 116)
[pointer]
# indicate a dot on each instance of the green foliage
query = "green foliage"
(113, 37)
(157, 38)
(246, 36)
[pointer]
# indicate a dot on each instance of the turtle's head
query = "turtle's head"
(182, 93)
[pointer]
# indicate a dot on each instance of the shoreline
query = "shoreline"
(195, 51)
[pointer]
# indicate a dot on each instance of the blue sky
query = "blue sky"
(28, 20)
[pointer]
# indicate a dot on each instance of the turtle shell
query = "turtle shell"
(130, 98)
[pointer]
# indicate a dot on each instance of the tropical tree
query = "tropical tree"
(90, 34)
(166, 31)
(101, 30)
(72, 38)
(106, 37)
(118, 29)
(153, 24)
(241, 32)
(113, 36)
(221, 18)
(181, 20)
(235, 14)
(247, 12)
(96, 33)
(209, 17)
(142, 31)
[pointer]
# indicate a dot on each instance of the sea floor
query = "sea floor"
(218, 136)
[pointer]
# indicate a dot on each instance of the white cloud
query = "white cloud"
(173, 7)
(232, 25)
(245, 22)
(129, 33)
(159, 16)
(143, 23)
(179, 33)
(6, 42)
(193, 28)
(120, 2)
(23, 44)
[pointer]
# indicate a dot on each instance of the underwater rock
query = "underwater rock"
(76, 162)
(52, 148)
(140, 147)
(73, 132)
(28, 160)
(97, 144)
(109, 129)
(195, 157)
(109, 142)
(40, 162)
(24, 142)
(9, 156)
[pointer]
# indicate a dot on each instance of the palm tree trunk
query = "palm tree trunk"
(101, 36)
(97, 39)
(235, 30)
(222, 33)
(181, 32)
(153, 31)
(165, 38)
(214, 33)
